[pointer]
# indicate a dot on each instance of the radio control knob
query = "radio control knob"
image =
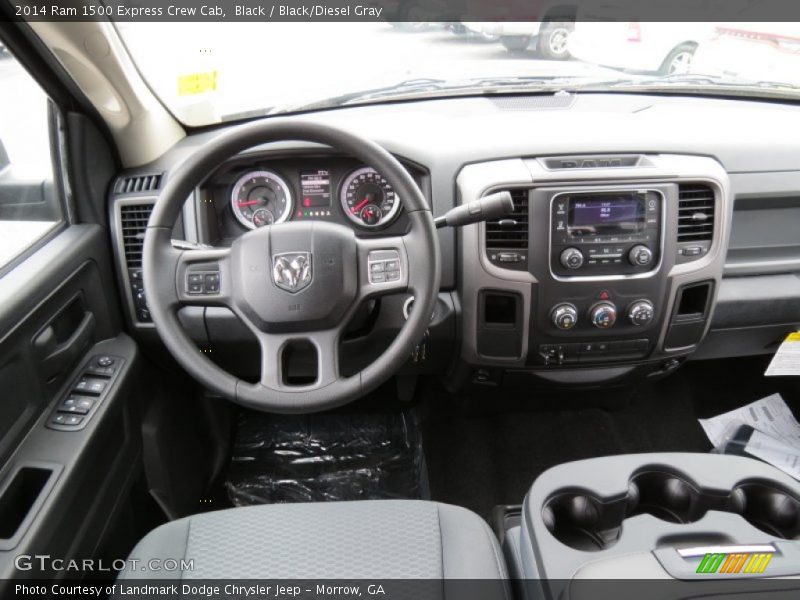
(572, 258)
(564, 316)
(641, 312)
(640, 256)
(603, 315)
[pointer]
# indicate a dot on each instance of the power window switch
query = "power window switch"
(100, 371)
(92, 386)
(76, 405)
(69, 420)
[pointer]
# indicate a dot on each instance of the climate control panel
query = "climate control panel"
(602, 315)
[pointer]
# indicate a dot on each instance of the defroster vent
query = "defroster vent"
(138, 183)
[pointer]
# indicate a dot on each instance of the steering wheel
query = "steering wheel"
(291, 282)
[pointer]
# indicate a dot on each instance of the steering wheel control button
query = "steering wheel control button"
(564, 316)
(641, 312)
(90, 385)
(211, 282)
(603, 315)
(572, 258)
(384, 266)
(640, 256)
(202, 282)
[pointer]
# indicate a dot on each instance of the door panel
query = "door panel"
(38, 299)
(60, 489)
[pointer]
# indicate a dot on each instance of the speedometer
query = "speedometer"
(261, 198)
(367, 198)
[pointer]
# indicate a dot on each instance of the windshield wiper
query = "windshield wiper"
(428, 87)
(702, 81)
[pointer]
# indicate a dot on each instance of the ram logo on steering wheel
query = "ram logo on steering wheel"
(291, 271)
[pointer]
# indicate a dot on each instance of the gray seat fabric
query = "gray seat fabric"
(380, 539)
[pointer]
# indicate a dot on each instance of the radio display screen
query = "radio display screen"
(606, 215)
(316, 188)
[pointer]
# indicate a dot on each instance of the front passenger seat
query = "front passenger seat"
(373, 539)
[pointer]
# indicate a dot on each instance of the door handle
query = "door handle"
(56, 357)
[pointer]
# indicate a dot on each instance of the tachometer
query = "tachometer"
(367, 198)
(261, 198)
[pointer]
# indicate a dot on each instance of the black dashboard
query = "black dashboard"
(647, 229)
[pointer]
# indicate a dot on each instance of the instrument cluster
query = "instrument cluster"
(253, 193)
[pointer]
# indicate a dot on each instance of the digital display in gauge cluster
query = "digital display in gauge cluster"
(315, 194)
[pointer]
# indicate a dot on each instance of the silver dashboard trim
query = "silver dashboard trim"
(477, 179)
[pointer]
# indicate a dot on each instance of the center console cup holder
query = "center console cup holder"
(770, 509)
(653, 517)
(585, 521)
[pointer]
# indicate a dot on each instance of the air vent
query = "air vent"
(695, 213)
(133, 219)
(510, 232)
(138, 183)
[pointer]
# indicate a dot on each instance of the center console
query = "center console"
(674, 517)
(607, 261)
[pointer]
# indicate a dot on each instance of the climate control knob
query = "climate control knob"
(572, 258)
(603, 315)
(564, 316)
(641, 312)
(640, 256)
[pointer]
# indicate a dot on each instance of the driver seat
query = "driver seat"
(371, 539)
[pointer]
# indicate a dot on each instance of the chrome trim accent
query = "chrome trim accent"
(697, 551)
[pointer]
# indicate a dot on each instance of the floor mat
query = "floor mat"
(325, 457)
(480, 461)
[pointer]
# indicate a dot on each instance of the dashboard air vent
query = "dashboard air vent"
(510, 232)
(133, 219)
(695, 213)
(138, 183)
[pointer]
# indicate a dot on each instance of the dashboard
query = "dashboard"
(647, 230)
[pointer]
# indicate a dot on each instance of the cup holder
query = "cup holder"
(770, 509)
(583, 521)
(668, 497)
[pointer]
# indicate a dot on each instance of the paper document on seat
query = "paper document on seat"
(775, 452)
(787, 359)
(769, 415)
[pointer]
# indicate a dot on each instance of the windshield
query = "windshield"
(212, 72)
